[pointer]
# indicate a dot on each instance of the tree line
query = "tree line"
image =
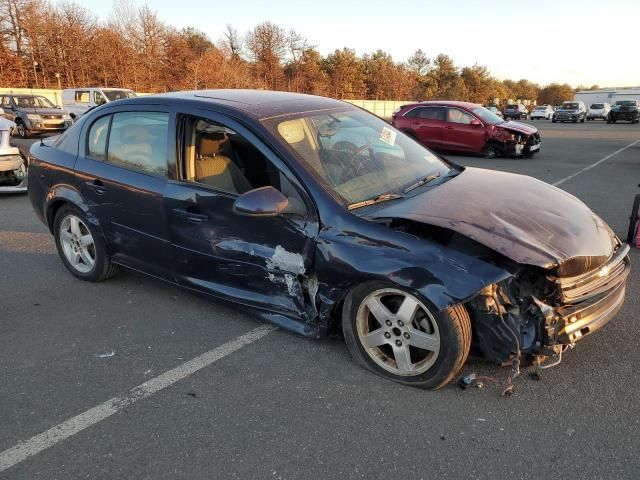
(45, 45)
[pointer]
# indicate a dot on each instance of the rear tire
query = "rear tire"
(397, 334)
(81, 246)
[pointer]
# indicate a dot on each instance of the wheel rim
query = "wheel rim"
(398, 332)
(21, 130)
(77, 244)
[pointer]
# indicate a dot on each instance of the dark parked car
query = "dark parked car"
(321, 218)
(466, 127)
(625, 110)
(515, 111)
(33, 114)
(570, 112)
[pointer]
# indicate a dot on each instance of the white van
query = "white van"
(77, 101)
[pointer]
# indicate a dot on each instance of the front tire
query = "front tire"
(491, 150)
(80, 246)
(398, 335)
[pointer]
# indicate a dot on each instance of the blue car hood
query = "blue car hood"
(522, 218)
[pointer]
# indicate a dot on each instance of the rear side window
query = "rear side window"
(138, 140)
(97, 140)
(427, 113)
(432, 113)
(413, 113)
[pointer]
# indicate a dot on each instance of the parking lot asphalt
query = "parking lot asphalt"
(285, 407)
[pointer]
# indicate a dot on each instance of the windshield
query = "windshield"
(113, 95)
(541, 108)
(511, 107)
(356, 154)
(32, 101)
(570, 106)
(597, 106)
(486, 115)
(626, 103)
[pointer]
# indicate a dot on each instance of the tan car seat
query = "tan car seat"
(214, 168)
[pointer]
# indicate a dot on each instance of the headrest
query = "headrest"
(213, 144)
(292, 130)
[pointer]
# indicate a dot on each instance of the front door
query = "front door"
(122, 173)
(460, 134)
(258, 261)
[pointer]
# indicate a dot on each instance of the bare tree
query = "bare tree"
(267, 45)
(232, 41)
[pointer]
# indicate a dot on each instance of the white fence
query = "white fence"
(382, 108)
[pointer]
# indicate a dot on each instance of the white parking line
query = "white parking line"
(593, 165)
(44, 440)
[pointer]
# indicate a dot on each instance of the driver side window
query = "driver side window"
(218, 157)
(458, 116)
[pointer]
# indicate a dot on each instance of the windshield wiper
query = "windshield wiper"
(422, 181)
(383, 197)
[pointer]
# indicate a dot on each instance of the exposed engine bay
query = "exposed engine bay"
(512, 141)
(537, 311)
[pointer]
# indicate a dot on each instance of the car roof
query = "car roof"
(446, 103)
(260, 104)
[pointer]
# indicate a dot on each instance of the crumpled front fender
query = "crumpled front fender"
(443, 276)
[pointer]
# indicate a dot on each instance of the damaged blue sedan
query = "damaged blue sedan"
(323, 218)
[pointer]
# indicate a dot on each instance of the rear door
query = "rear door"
(122, 173)
(427, 123)
(460, 135)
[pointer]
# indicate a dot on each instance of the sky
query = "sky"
(567, 41)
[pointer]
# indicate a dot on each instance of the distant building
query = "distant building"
(608, 95)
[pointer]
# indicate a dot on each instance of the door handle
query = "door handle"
(96, 185)
(449, 127)
(191, 217)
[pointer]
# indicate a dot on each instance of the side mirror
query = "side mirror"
(475, 122)
(265, 202)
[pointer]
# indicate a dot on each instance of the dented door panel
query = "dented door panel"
(257, 261)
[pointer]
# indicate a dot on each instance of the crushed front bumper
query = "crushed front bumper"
(589, 301)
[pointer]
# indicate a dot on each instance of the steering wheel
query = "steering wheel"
(355, 152)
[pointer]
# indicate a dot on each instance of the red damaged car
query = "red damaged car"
(466, 127)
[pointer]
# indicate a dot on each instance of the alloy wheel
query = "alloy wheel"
(398, 332)
(77, 244)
